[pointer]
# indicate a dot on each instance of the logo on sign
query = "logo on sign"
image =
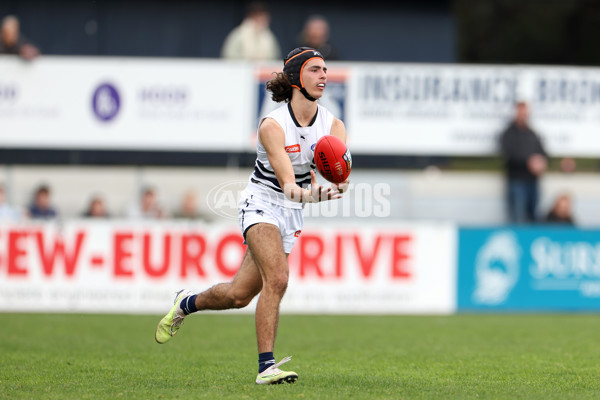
(295, 148)
(496, 269)
(106, 102)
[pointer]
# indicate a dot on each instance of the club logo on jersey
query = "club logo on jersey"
(295, 148)
(313, 146)
(297, 234)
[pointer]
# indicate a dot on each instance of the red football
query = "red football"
(333, 159)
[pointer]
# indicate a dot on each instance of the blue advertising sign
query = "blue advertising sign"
(528, 269)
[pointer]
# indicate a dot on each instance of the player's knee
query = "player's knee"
(278, 284)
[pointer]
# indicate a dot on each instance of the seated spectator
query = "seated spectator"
(148, 207)
(13, 42)
(189, 208)
(7, 212)
(41, 207)
(561, 212)
(96, 208)
(316, 35)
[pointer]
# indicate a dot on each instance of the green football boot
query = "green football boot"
(170, 324)
(273, 375)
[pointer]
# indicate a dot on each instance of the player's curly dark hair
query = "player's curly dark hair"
(280, 87)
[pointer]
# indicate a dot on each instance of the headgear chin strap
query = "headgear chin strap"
(294, 64)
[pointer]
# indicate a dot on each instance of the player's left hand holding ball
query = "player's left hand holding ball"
(319, 193)
(341, 187)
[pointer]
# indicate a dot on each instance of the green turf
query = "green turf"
(336, 357)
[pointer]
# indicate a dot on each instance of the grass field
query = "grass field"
(337, 357)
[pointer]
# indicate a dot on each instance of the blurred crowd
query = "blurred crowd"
(252, 40)
(147, 207)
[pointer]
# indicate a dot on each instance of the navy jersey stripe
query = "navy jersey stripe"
(266, 170)
(265, 185)
(263, 168)
(260, 176)
(298, 176)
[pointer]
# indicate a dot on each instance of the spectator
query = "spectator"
(189, 208)
(316, 35)
(13, 42)
(525, 161)
(7, 212)
(41, 207)
(252, 40)
(561, 212)
(96, 208)
(568, 165)
(148, 207)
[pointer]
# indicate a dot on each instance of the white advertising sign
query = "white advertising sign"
(125, 103)
(461, 109)
(565, 104)
(214, 105)
(100, 266)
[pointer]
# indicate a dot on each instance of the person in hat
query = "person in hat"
(270, 209)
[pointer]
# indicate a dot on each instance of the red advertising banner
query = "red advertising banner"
(136, 267)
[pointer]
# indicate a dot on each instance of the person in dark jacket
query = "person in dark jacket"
(525, 162)
(41, 207)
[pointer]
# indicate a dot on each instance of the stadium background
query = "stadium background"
(446, 199)
(413, 286)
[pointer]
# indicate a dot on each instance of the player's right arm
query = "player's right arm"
(272, 137)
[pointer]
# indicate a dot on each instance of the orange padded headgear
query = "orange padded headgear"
(294, 63)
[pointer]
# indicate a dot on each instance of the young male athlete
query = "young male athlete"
(270, 209)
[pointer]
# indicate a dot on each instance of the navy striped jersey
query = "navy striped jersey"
(299, 145)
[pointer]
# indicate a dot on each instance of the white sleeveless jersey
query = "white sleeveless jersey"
(299, 145)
